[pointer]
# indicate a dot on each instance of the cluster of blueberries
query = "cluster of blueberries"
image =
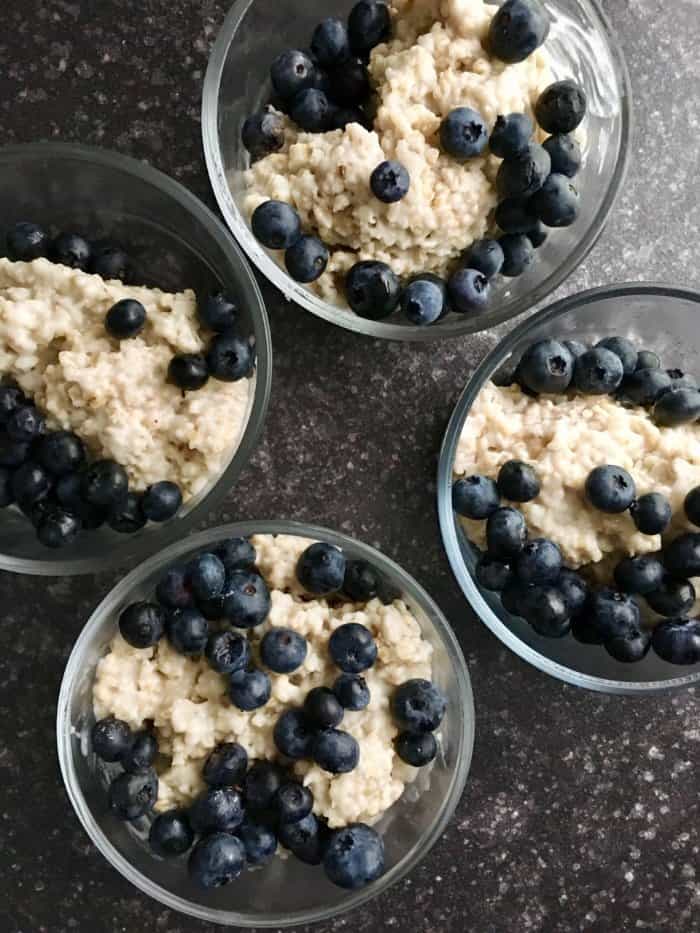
(533, 182)
(245, 812)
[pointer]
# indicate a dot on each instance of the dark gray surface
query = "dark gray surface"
(581, 811)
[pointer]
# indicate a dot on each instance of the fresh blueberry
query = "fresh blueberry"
(681, 380)
(230, 358)
(512, 596)
(218, 312)
(598, 372)
(557, 203)
(518, 254)
(305, 839)
(246, 599)
(307, 259)
(293, 734)
(613, 614)
(321, 569)
(692, 506)
(217, 809)
(361, 582)
(651, 513)
(283, 650)
(228, 652)
(390, 182)
(354, 856)
(340, 117)
(644, 386)
(330, 43)
(372, 290)
(610, 489)
(335, 751)
(142, 624)
(104, 484)
(322, 708)
(475, 497)
(127, 517)
(469, 290)
(369, 24)
(678, 641)
(486, 256)
(624, 349)
(674, 597)
(276, 225)
(518, 28)
(216, 860)
(61, 452)
(11, 398)
(418, 706)
(293, 802)
(565, 154)
(310, 110)
(574, 589)
(110, 261)
(352, 691)
(518, 481)
(546, 366)
(58, 528)
(424, 299)
(142, 754)
(173, 590)
(539, 562)
(6, 495)
(132, 796)
(30, 483)
(546, 610)
(161, 501)
(511, 135)
(642, 574)
(585, 630)
(111, 739)
(349, 83)
(171, 834)
(676, 407)
(236, 554)
(515, 215)
(682, 556)
(25, 424)
(463, 134)
(525, 174)
(263, 133)
(561, 107)
(125, 319)
(492, 574)
(259, 841)
(291, 72)
(537, 236)
(646, 359)
(226, 765)
(575, 347)
(250, 690)
(261, 784)
(352, 648)
(27, 241)
(188, 371)
(187, 631)
(629, 648)
(72, 250)
(205, 576)
(416, 749)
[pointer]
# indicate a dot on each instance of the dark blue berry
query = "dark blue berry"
(673, 598)
(218, 312)
(352, 691)
(27, 241)
(642, 574)
(463, 134)
(517, 29)
(629, 648)
(293, 734)
(361, 581)
(514, 215)
(369, 24)
(354, 856)
(25, 424)
(349, 83)
(416, 749)
(125, 319)
(261, 784)
(305, 839)
(651, 513)
(30, 483)
(585, 630)
(557, 203)
(574, 589)
(11, 398)
(132, 796)
(565, 154)
(518, 254)
(644, 386)
(335, 751)
(226, 765)
(217, 809)
(340, 117)
(610, 489)
(575, 347)
(111, 739)
(692, 506)
(512, 596)
(539, 562)
(390, 182)
(494, 575)
(58, 528)
(187, 631)
(506, 533)
(173, 590)
(330, 43)
(511, 135)
(561, 107)
(127, 517)
(676, 407)
(681, 380)
(307, 259)
(321, 569)
(246, 599)
(682, 556)
(678, 641)
(293, 802)
(624, 349)
(283, 650)
(322, 708)
(216, 860)
(161, 501)
(518, 481)
(525, 174)
(310, 110)
(110, 261)
(188, 371)
(141, 754)
(72, 250)
(104, 484)
(469, 291)
(613, 614)
(648, 360)
(372, 290)
(236, 554)
(598, 372)
(61, 452)
(475, 497)
(142, 624)
(486, 256)
(206, 576)
(228, 652)
(250, 690)
(263, 133)
(171, 834)
(418, 706)
(291, 72)
(352, 648)
(537, 236)
(259, 841)
(230, 358)
(546, 610)
(276, 225)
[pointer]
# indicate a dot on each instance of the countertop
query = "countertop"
(581, 811)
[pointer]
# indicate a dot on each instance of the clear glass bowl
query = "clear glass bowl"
(657, 317)
(176, 243)
(581, 44)
(286, 892)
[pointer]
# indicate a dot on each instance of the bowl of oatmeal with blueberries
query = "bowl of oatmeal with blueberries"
(134, 359)
(418, 168)
(266, 724)
(569, 490)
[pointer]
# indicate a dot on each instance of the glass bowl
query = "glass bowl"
(582, 45)
(301, 894)
(657, 317)
(176, 242)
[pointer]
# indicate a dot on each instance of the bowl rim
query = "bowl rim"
(464, 710)
(448, 527)
(239, 270)
(342, 317)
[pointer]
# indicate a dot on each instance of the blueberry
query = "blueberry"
(226, 765)
(642, 574)
(250, 690)
(335, 751)
(72, 250)
(125, 319)
(515, 215)
(644, 386)
(486, 256)
(330, 43)
(585, 630)
(463, 134)
(6, 495)
(372, 290)
(230, 358)
(293, 802)
(537, 236)
(61, 452)
(506, 533)
(206, 576)
(624, 349)
(340, 117)
(30, 483)
(218, 312)
(525, 174)
(682, 557)
(111, 739)
(512, 596)
(475, 497)
(304, 839)
(171, 834)
(678, 641)
(651, 513)
(261, 784)
(361, 581)
(141, 754)
(216, 860)
(27, 241)
(104, 484)
(307, 259)
(173, 590)
(349, 83)
(217, 809)
(518, 254)
(673, 598)
(646, 359)
(416, 749)
(127, 517)
(263, 133)
(283, 650)
(293, 734)
(511, 135)
(25, 424)
(561, 107)
(236, 554)
(565, 153)
(390, 182)
(291, 72)
(11, 398)
(539, 562)
(629, 648)
(518, 481)
(691, 506)
(598, 372)
(677, 406)
(575, 347)
(161, 501)
(227, 652)
(187, 631)
(310, 110)
(276, 225)
(557, 203)
(546, 610)
(574, 589)
(110, 261)
(58, 528)
(246, 599)
(518, 28)
(418, 706)
(321, 569)
(613, 614)
(322, 708)
(188, 371)
(369, 24)
(352, 648)
(681, 380)
(469, 291)
(354, 856)
(142, 624)
(492, 574)
(132, 796)
(610, 489)
(352, 691)
(259, 841)
(424, 300)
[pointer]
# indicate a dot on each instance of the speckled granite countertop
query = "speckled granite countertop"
(581, 811)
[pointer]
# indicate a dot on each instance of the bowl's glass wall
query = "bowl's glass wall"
(286, 891)
(581, 46)
(176, 243)
(660, 319)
